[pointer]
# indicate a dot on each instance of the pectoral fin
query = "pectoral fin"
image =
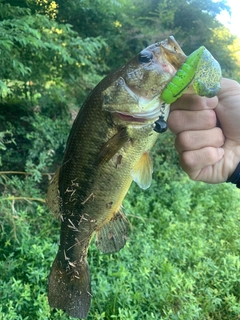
(142, 172)
(112, 146)
(113, 235)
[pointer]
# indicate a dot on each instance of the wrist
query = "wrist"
(235, 177)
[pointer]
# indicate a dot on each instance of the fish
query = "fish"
(108, 147)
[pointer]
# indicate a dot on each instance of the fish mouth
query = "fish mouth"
(140, 118)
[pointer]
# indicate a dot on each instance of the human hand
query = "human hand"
(208, 133)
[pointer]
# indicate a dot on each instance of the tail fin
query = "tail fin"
(69, 288)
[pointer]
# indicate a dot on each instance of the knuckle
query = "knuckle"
(219, 137)
(209, 155)
(210, 118)
(188, 161)
(175, 121)
(184, 141)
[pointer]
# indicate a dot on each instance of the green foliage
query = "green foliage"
(182, 260)
(38, 53)
(32, 43)
(44, 69)
(25, 258)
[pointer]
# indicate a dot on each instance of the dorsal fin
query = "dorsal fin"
(53, 199)
(142, 172)
(113, 235)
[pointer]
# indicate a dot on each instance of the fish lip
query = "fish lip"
(150, 116)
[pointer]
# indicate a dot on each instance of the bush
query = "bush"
(182, 260)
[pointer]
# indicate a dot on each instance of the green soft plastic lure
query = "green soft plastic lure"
(201, 70)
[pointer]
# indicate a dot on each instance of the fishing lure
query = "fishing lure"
(160, 125)
(208, 76)
(201, 69)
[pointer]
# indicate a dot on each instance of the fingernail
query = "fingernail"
(212, 102)
(220, 152)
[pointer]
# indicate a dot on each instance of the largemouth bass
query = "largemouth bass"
(107, 148)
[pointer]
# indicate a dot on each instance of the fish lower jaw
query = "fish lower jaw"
(138, 118)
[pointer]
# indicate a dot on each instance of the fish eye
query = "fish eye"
(145, 56)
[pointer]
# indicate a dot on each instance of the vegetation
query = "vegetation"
(182, 260)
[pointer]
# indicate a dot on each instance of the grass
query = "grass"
(181, 263)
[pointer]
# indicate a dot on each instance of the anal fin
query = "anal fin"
(114, 234)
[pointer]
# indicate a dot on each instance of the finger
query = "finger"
(194, 102)
(229, 88)
(228, 109)
(194, 162)
(183, 120)
(194, 140)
